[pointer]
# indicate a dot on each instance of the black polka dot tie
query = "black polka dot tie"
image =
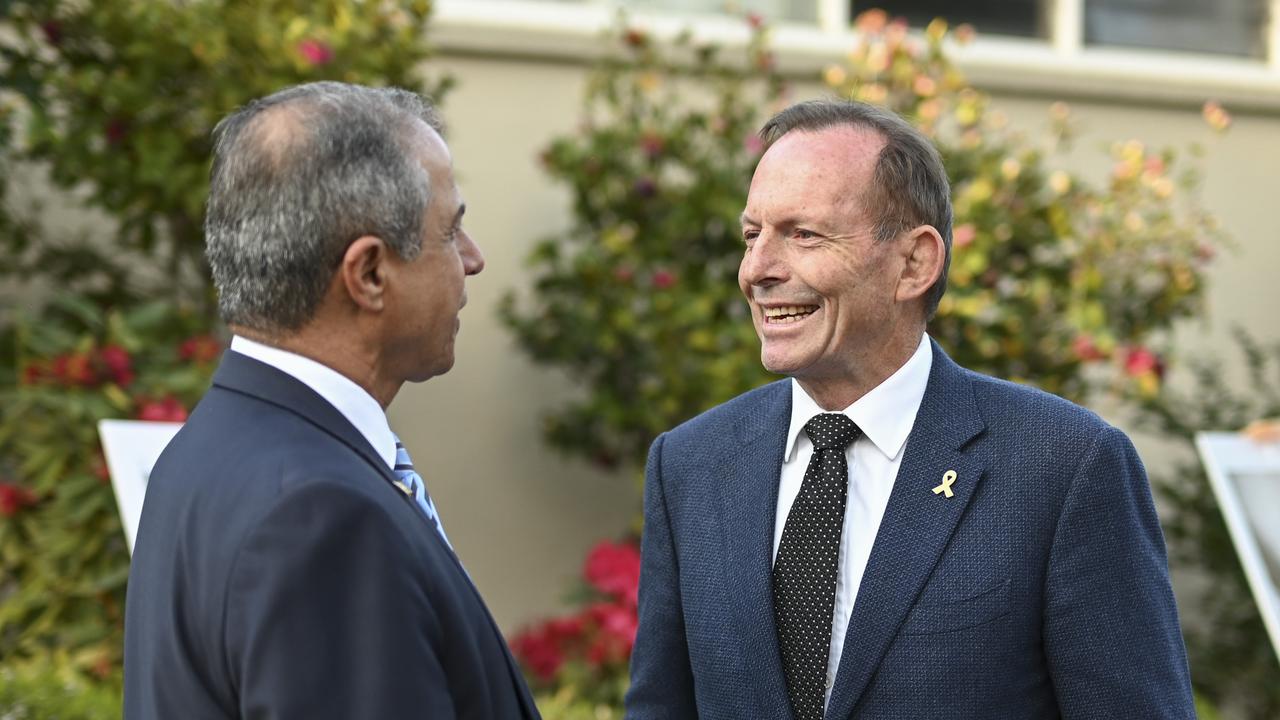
(804, 572)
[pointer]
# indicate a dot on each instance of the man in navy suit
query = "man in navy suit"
(289, 560)
(885, 534)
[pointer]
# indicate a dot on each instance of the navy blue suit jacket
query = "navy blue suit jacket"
(1039, 590)
(279, 574)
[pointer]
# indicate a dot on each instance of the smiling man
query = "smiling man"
(290, 562)
(886, 534)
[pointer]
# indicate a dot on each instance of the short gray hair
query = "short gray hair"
(297, 176)
(909, 187)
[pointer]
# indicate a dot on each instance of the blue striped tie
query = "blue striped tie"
(406, 474)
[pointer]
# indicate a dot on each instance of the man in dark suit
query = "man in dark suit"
(888, 535)
(289, 561)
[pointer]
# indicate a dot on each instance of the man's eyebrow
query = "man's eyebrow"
(745, 219)
(457, 217)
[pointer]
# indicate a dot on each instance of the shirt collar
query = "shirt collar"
(355, 404)
(885, 414)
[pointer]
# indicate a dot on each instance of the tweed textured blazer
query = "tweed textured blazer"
(1039, 590)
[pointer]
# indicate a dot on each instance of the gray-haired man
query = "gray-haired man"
(289, 560)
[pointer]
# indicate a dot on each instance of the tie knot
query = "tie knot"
(831, 431)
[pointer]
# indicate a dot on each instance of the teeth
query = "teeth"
(789, 313)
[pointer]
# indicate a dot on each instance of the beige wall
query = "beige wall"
(523, 517)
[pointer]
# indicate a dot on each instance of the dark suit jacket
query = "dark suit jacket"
(279, 574)
(1039, 590)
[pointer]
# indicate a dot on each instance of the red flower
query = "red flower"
(616, 627)
(34, 373)
(13, 498)
(614, 569)
(52, 32)
(664, 279)
(315, 52)
(166, 409)
(542, 647)
(118, 364)
(74, 369)
(1141, 361)
(1086, 349)
(755, 21)
(116, 131)
(200, 349)
(623, 274)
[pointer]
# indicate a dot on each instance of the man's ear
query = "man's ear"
(925, 255)
(362, 273)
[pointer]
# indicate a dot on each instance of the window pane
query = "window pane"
(771, 10)
(1227, 27)
(1024, 18)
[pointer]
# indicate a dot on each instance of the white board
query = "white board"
(132, 448)
(1245, 475)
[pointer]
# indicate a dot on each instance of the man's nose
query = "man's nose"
(472, 259)
(763, 263)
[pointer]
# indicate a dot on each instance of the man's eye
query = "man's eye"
(802, 234)
(749, 236)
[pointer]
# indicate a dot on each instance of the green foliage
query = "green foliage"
(63, 560)
(638, 300)
(116, 100)
(122, 95)
(1232, 661)
(48, 691)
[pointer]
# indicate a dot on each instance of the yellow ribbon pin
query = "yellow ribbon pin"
(945, 487)
(402, 487)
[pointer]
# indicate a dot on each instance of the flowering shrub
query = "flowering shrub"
(1055, 281)
(116, 100)
(585, 654)
(63, 561)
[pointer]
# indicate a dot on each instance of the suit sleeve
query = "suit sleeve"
(661, 677)
(1111, 630)
(328, 614)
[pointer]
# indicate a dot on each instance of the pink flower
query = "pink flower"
(623, 274)
(755, 20)
(118, 364)
(753, 144)
(962, 235)
(315, 52)
(166, 409)
(645, 187)
(1140, 361)
(615, 635)
(1086, 349)
(614, 569)
(664, 279)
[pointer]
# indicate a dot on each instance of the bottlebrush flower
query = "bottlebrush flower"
(614, 569)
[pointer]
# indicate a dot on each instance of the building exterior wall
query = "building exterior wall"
(523, 517)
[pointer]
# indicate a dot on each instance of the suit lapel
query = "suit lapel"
(749, 498)
(242, 374)
(916, 527)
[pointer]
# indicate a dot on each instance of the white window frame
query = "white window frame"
(1063, 66)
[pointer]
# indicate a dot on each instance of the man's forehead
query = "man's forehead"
(837, 146)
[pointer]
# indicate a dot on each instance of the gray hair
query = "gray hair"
(909, 187)
(297, 176)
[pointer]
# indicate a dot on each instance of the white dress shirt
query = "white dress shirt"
(355, 404)
(885, 415)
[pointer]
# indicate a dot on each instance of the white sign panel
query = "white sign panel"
(132, 448)
(1245, 475)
